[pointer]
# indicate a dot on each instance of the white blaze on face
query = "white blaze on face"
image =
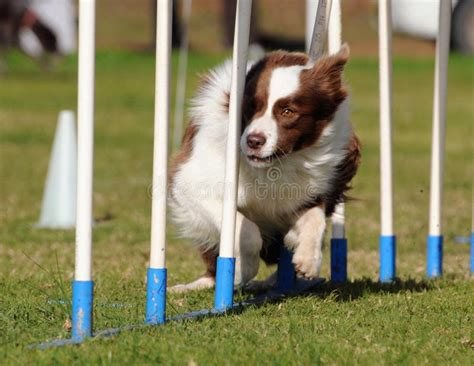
(284, 81)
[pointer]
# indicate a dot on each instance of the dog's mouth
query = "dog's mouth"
(258, 161)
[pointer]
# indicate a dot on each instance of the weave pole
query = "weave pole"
(224, 294)
(338, 246)
(178, 120)
(156, 273)
(335, 28)
(318, 36)
(387, 237)
(310, 16)
(82, 285)
(338, 239)
(434, 262)
(286, 275)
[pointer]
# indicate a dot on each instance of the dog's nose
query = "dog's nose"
(256, 140)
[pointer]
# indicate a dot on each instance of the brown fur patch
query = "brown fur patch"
(324, 81)
(346, 170)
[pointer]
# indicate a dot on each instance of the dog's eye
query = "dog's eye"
(287, 112)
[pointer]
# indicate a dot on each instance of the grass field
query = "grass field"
(412, 321)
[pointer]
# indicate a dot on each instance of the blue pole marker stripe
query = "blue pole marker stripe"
(286, 271)
(472, 253)
(82, 299)
(434, 260)
(388, 258)
(338, 260)
(156, 296)
(224, 296)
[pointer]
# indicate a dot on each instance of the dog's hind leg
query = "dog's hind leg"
(208, 280)
(201, 283)
(248, 243)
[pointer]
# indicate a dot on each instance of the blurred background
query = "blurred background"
(39, 27)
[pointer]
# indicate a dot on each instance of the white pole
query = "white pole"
(321, 22)
(311, 8)
(334, 28)
(239, 66)
(178, 121)
(385, 55)
(439, 117)
(338, 222)
(334, 45)
(160, 148)
(85, 143)
(387, 247)
(434, 261)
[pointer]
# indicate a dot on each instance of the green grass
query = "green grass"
(409, 322)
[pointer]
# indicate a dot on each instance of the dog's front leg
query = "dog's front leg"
(305, 238)
(248, 242)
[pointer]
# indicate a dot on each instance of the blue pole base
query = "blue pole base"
(286, 276)
(338, 260)
(388, 258)
(156, 296)
(82, 300)
(434, 260)
(225, 272)
(472, 253)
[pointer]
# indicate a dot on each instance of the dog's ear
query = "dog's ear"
(332, 66)
(326, 76)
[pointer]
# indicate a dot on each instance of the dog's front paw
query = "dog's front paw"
(307, 266)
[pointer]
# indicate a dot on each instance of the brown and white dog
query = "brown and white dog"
(298, 155)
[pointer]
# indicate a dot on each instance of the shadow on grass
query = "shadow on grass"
(344, 292)
(353, 290)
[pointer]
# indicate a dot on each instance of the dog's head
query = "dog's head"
(288, 103)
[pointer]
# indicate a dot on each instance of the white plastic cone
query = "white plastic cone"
(58, 210)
